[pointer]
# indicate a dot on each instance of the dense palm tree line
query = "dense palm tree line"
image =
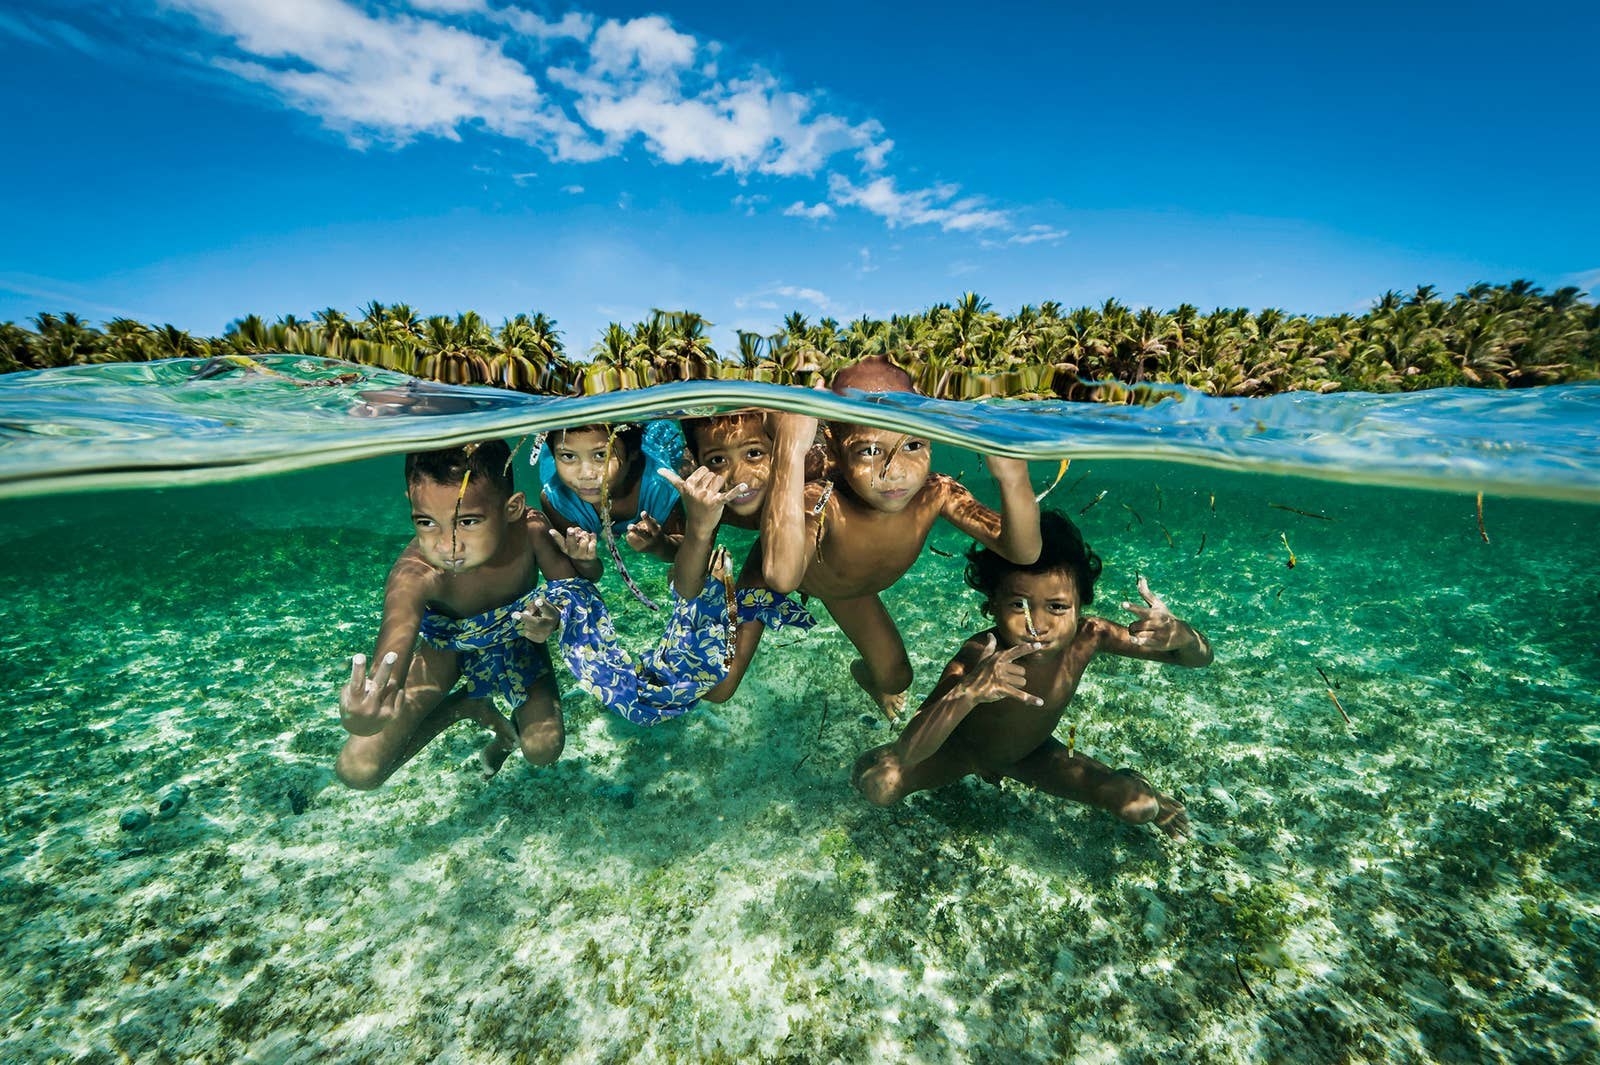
(1494, 336)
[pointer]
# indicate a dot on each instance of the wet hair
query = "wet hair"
(486, 460)
(1063, 547)
(872, 374)
(692, 427)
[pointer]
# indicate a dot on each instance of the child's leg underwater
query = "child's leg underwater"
(426, 708)
(1123, 793)
(883, 780)
(540, 731)
(884, 669)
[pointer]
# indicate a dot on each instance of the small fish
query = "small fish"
(1090, 505)
(1202, 546)
(941, 554)
(1061, 471)
(1285, 538)
(1242, 981)
(1213, 502)
(1279, 596)
(1135, 513)
(1481, 530)
(1168, 534)
(1302, 513)
(1159, 499)
(1340, 707)
(1325, 679)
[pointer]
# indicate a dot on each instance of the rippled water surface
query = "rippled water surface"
(1419, 884)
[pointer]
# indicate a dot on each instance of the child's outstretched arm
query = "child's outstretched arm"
(978, 674)
(1157, 635)
(783, 517)
(648, 535)
(550, 552)
(585, 559)
(580, 548)
(368, 702)
(1013, 533)
(703, 499)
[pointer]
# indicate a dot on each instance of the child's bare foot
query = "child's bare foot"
(1171, 816)
(494, 753)
(891, 705)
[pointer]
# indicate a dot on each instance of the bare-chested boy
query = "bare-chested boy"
(999, 700)
(847, 539)
(461, 585)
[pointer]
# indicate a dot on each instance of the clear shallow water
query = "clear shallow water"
(1418, 887)
(154, 424)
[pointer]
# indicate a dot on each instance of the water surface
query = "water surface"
(1417, 885)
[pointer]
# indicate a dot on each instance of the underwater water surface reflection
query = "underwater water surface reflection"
(1416, 885)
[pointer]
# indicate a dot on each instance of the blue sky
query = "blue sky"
(191, 161)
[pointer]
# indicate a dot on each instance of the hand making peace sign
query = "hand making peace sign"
(998, 675)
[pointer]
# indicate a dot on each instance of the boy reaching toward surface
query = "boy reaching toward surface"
(461, 585)
(999, 700)
(847, 539)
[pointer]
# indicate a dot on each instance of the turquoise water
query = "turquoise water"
(1418, 885)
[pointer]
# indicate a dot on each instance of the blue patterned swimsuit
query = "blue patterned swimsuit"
(494, 657)
(690, 660)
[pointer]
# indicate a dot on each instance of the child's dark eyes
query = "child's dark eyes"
(714, 461)
(755, 455)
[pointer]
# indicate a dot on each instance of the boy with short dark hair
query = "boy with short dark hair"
(452, 635)
(1000, 698)
(847, 539)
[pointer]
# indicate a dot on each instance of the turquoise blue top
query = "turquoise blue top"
(663, 443)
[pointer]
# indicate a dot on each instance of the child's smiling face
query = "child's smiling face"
(740, 448)
(459, 532)
(884, 468)
(1037, 608)
(582, 463)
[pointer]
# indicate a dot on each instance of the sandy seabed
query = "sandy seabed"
(1417, 886)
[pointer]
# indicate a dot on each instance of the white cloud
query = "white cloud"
(579, 88)
(1587, 280)
(809, 295)
(644, 80)
(1036, 233)
(450, 7)
(646, 45)
(390, 78)
(815, 211)
(873, 155)
(936, 206)
(864, 264)
(574, 25)
(572, 190)
(762, 299)
(524, 177)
